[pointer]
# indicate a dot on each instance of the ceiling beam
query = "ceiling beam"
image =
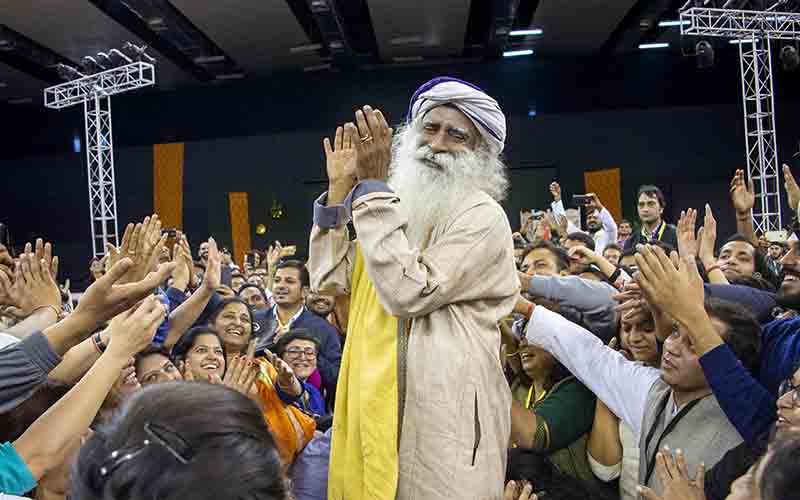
(28, 56)
(639, 24)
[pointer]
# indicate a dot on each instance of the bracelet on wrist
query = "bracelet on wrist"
(99, 343)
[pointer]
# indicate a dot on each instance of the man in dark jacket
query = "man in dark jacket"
(289, 290)
(650, 204)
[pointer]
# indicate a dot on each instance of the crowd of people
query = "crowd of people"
(424, 350)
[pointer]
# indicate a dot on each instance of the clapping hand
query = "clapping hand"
(673, 474)
(743, 194)
(241, 374)
(34, 284)
(373, 143)
(212, 279)
(519, 491)
(141, 243)
(707, 236)
(687, 242)
(340, 161)
(791, 187)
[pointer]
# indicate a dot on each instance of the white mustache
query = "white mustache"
(443, 160)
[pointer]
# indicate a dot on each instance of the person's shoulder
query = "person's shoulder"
(481, 209)
(310, 320)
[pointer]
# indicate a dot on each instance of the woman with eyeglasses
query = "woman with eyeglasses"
(299, 349)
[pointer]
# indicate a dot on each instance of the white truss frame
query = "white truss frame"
(95, 92)
(758, 102)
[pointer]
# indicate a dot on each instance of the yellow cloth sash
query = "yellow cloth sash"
(364, 458)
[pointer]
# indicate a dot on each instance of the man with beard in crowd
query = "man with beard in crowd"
(429, 277)
(600, 224)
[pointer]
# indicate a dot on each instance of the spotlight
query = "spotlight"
(790, 58)
(705, 54)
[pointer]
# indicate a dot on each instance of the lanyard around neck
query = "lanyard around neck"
(651, 463)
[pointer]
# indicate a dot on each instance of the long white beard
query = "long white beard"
(430, 194)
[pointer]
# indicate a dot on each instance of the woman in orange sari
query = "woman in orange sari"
(291, 427)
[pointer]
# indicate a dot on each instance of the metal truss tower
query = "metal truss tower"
(95, 91)
(754, 30)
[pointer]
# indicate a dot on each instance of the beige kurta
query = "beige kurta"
(455, 414)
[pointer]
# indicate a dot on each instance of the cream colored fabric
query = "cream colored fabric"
(454, 291)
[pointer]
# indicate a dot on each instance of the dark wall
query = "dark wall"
(266, 140)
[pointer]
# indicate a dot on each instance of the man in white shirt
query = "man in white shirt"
(672, 406)
(599, 222)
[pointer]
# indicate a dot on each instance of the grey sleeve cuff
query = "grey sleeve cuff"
(40, 352)
(329, 217)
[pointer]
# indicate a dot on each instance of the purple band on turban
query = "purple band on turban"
(477, 105)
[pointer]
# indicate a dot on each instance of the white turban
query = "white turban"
(477, 105)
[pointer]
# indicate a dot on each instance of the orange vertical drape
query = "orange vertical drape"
(168, 184)
(606, 185)
(238, 209)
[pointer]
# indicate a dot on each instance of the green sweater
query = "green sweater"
(565, 417)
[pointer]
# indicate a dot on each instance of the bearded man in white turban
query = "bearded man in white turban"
(422, 406)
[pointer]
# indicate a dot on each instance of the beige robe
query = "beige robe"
(454, 402)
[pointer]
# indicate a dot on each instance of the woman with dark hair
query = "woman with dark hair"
(154, 365)
(292, 427)
(202, 351)
(233, 321)
(176, 441)
(551, 412)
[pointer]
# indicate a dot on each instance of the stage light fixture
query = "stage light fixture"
(670, 24)
(517, 53)
(660, 45)
(705, 54)
(790, 58)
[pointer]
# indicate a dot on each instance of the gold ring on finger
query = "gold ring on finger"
(367, 138)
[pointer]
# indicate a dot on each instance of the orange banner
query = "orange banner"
(168, 184)
(239, 211)
(606, 185)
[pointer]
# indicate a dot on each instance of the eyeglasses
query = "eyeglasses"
(788, 386)
(296, 352)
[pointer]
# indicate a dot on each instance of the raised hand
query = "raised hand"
(791, 187)
(141, 243)
(340, 162)
(212, 279)
(674, 477)
(133, 330)
(555, 190)
(687, 241)
(373, 143)
(34, 285)
(274, 253)
(671, 284)
(182, 257)
(107, 297)
(707, 236)
(519, 491)
(595, 203)
(742, 194)
(286, 378)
